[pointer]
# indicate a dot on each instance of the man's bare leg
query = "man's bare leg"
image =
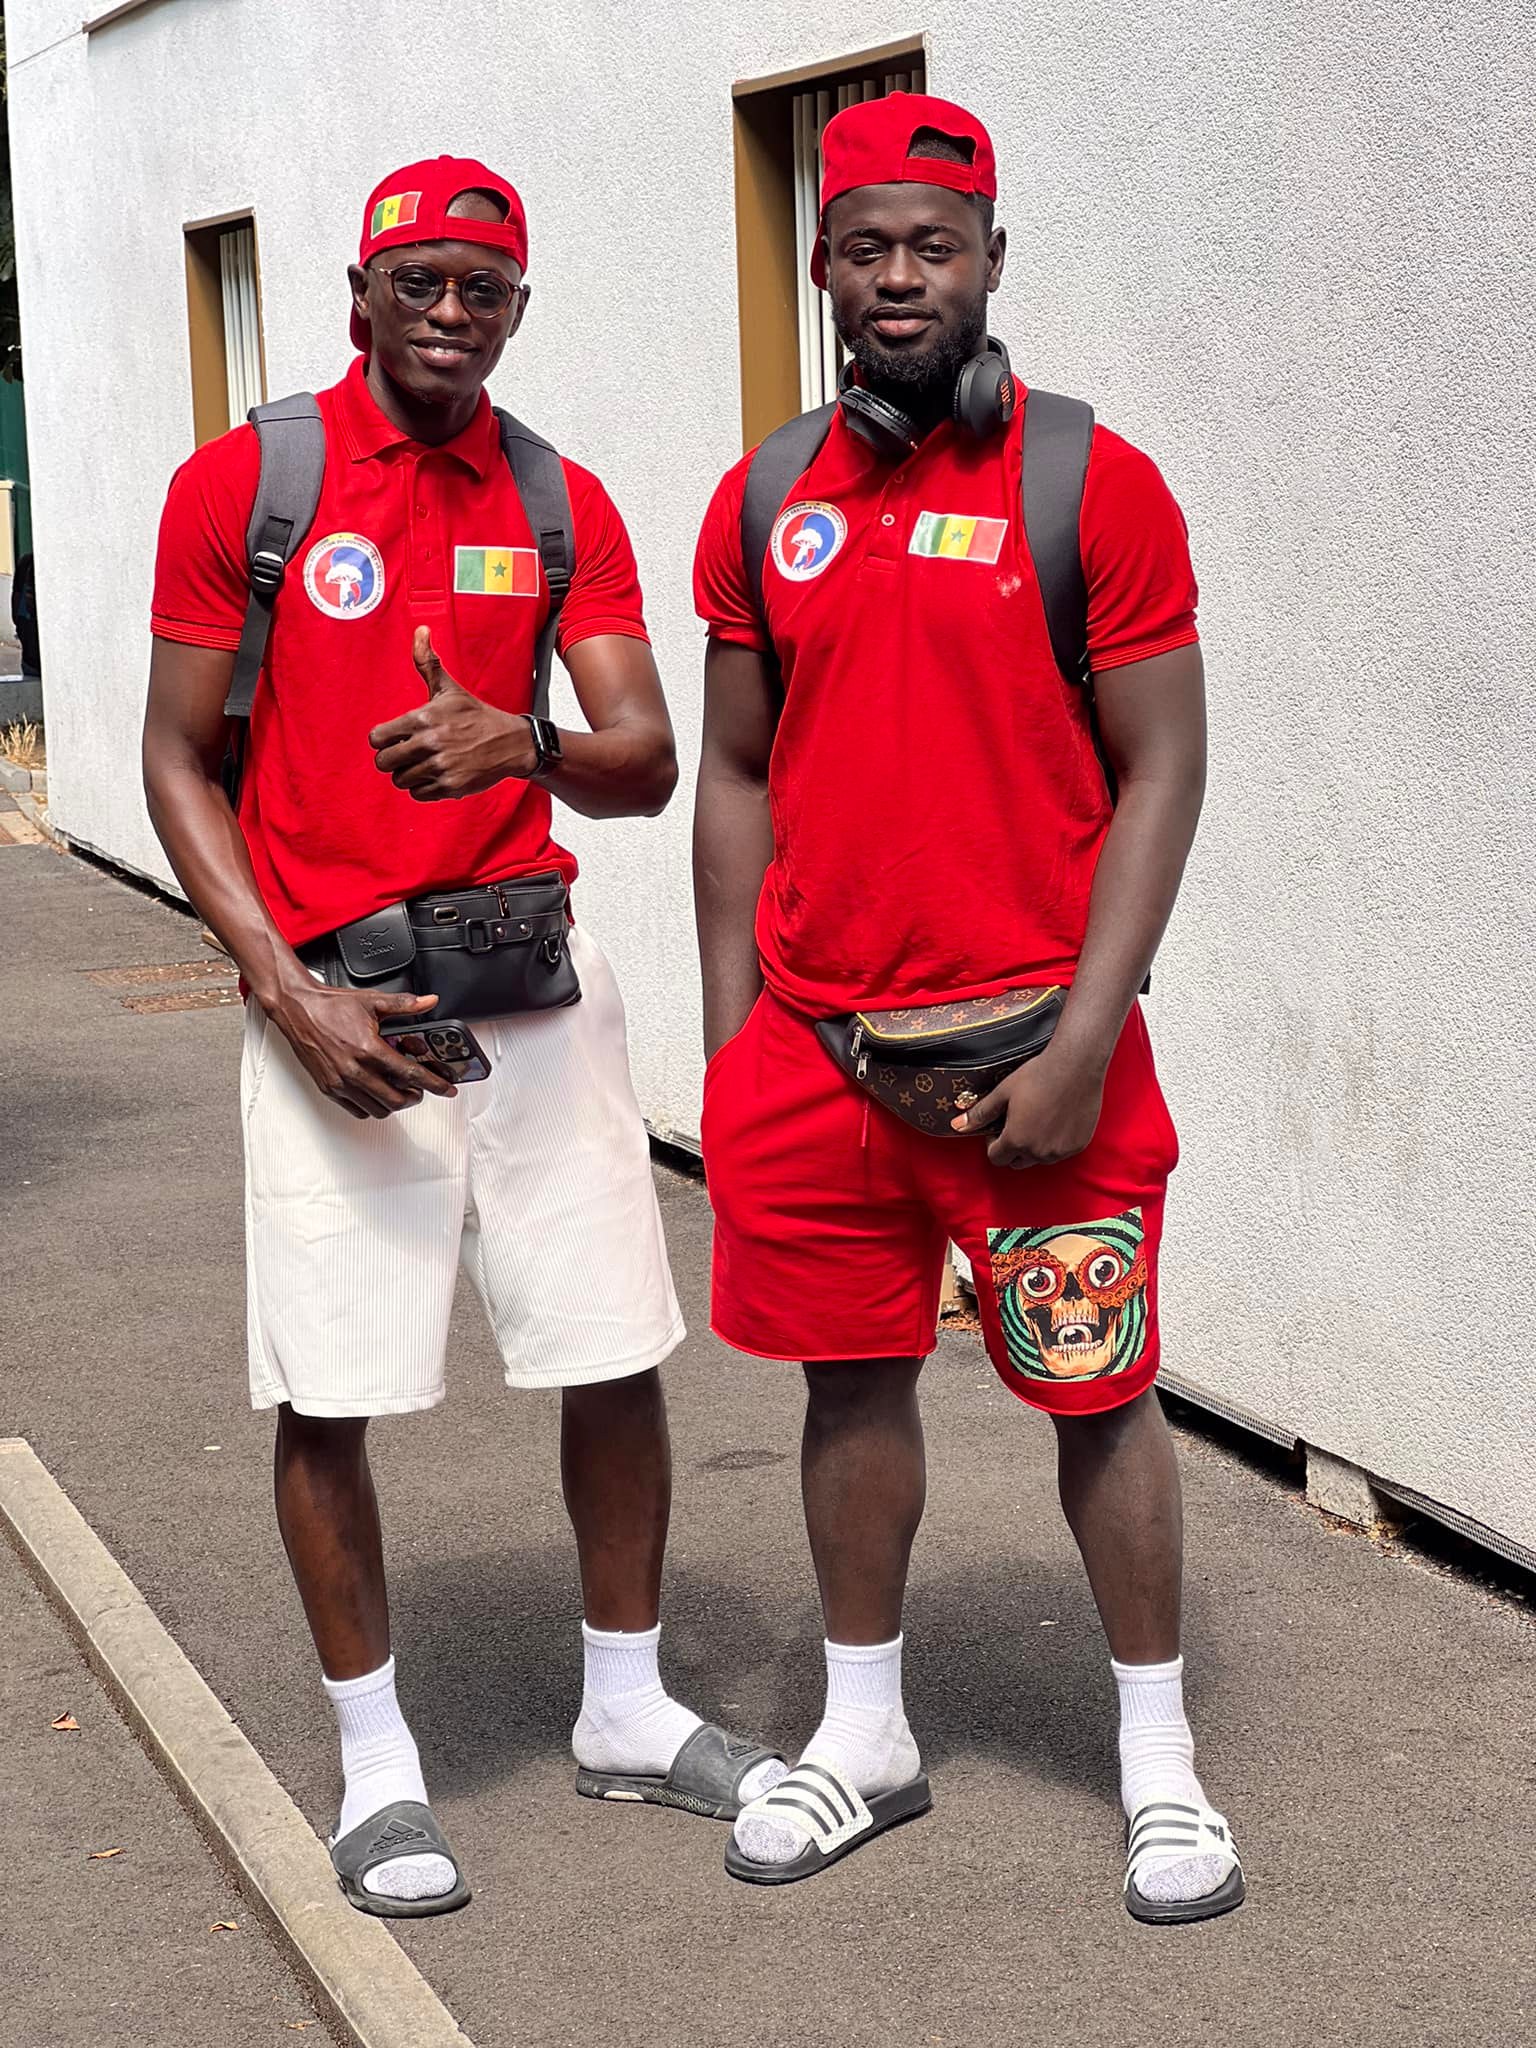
(1119, 1481)
(863, 1477)
(616, 1470)
(329, 1517)
(864, 1481)
(1120, 1492)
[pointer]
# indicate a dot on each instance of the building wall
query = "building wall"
(1278, 247)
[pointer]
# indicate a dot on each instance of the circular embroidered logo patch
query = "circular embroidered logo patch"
(805, 539)
(344, 575)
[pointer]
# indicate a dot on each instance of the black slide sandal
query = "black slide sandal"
(1164, 1828)
(705, 1777)
(818, 1802)
(405, 1828)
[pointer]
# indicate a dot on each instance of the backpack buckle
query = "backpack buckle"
(478, 936)
(557, 568)
(267, 572)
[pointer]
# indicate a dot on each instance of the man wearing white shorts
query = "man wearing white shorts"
(395, 776)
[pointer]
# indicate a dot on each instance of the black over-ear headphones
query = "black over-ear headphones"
(986, 399)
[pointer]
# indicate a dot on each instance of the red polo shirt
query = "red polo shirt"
(937, 804)
(404, 536)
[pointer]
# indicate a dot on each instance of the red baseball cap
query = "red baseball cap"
(870, 143)
(411, 205)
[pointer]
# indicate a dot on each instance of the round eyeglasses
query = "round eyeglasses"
(484, 294)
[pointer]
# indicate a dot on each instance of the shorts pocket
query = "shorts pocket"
(253, 1056)
(712, 1064)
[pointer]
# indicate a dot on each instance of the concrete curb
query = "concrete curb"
(366, 1985)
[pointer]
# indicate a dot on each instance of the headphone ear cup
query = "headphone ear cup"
(986, 396)
(884, 426)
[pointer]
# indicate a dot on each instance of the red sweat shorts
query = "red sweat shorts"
(832, 1217)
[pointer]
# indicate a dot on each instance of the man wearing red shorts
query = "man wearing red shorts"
(900, 802)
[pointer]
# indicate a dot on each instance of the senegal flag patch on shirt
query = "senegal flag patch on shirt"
(958, 538)
(496, 572)
(397, 211)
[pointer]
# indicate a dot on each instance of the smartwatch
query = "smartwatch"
(546, 744)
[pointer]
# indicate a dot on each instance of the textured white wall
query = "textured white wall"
(1286, 249)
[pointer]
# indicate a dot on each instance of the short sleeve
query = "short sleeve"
(604, 596)
(201, 582)
(1141, 585)
(720, 594)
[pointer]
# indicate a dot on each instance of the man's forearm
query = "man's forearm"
(1134, 889)
(207, 851)
(626, 771)
(732, 847)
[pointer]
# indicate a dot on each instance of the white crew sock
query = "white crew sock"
(380, 1765)
(629, 1722)
(863, 1732)
(1157, 1761)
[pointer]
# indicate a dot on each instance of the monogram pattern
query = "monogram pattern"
(882, 1050)
(942, 1020)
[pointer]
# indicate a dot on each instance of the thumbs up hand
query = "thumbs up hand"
(454, 744)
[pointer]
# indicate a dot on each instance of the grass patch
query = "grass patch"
(23, 744)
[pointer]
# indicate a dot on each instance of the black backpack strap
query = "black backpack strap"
(1058, 438)
(292, 438)
(539, 475)
(785, 454)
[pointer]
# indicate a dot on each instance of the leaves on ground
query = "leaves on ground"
(225, 1927)
(66, 1724)
(101, 1855)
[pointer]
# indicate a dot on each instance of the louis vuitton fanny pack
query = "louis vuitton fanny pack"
(930, 1061)
(485, 952)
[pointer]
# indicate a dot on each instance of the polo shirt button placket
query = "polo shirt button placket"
(885, 549)
(425, 581)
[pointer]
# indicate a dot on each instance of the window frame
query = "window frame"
(767, 291)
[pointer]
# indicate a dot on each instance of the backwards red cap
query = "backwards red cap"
(411, 205)
(870, 143)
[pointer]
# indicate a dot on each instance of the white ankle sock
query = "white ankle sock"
(863, 1732)
(380, 1765)
(1157, 1761)
(629, 1721)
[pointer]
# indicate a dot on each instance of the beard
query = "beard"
(905, 378)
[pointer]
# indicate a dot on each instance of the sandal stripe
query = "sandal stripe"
(1188, 1829)
(842, 1805)
(806, 1787)
(1166, 1831)
(825, 1824)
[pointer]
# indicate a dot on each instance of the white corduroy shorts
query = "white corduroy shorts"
(537, 1180)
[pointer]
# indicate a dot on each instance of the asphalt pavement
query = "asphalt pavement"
(1364, 1719)
(116, 1924)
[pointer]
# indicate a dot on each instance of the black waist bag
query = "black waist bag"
(487, 952)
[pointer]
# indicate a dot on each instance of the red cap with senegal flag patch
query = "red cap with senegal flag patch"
(870, 143)
(411, 205)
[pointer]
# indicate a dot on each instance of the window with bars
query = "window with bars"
(790, 355)
(224, 324)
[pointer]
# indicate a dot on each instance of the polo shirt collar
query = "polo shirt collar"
(367, 432)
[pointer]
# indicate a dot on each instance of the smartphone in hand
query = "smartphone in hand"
(444, 1044)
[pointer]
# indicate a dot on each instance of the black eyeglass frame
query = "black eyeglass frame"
(445, 283)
